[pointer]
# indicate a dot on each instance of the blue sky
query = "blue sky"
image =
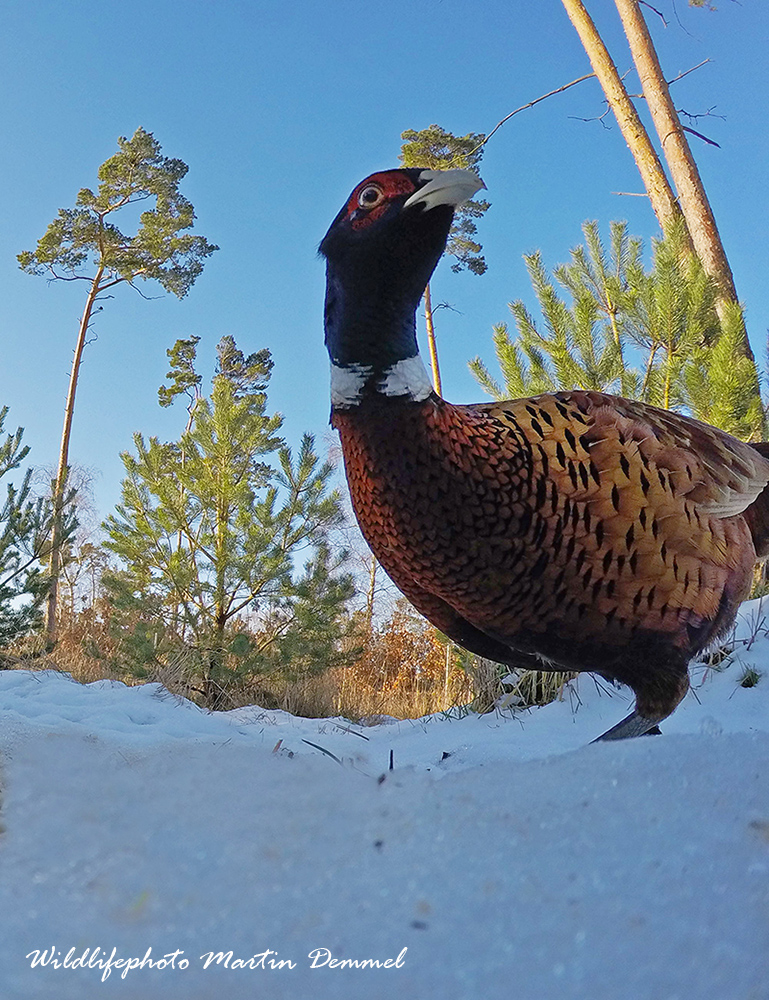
(279, 108)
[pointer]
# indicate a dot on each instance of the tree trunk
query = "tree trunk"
(371, 593)
(660, 193)
(62, 473)
(694, 202)
(431, 345)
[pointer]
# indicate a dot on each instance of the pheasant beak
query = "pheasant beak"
(445, 187)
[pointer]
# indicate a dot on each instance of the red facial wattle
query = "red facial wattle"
(392, 183)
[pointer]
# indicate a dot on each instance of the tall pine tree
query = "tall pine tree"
(85, 244)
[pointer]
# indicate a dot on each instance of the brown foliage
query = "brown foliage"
(406, 669)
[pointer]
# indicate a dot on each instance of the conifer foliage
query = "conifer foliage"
(613, 325)
(433, 148)
(25, 525)
(208, 529)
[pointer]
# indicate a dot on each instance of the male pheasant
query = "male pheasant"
(572, 530)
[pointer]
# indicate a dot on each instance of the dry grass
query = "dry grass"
(358, 699)
(537, 687)
(339, 692)
(343, 692)
(405, 671)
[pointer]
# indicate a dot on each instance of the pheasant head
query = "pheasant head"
(380, 252)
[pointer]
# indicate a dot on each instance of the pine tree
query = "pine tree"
(85, 244)
(25, 526)
(583, 344)
(207, 529)
(650, 334)
(308, 630)
(434, 148)
(672, 321)
(722, 384)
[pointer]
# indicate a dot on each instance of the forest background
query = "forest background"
(241, 92)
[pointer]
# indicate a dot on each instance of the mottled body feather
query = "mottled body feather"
(581, 528)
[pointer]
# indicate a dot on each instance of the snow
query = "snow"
(506, 855)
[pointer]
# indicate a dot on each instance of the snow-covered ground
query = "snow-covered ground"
(503, 856)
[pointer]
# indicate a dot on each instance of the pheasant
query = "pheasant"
(571, 530)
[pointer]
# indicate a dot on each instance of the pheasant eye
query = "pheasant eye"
(371, 196)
